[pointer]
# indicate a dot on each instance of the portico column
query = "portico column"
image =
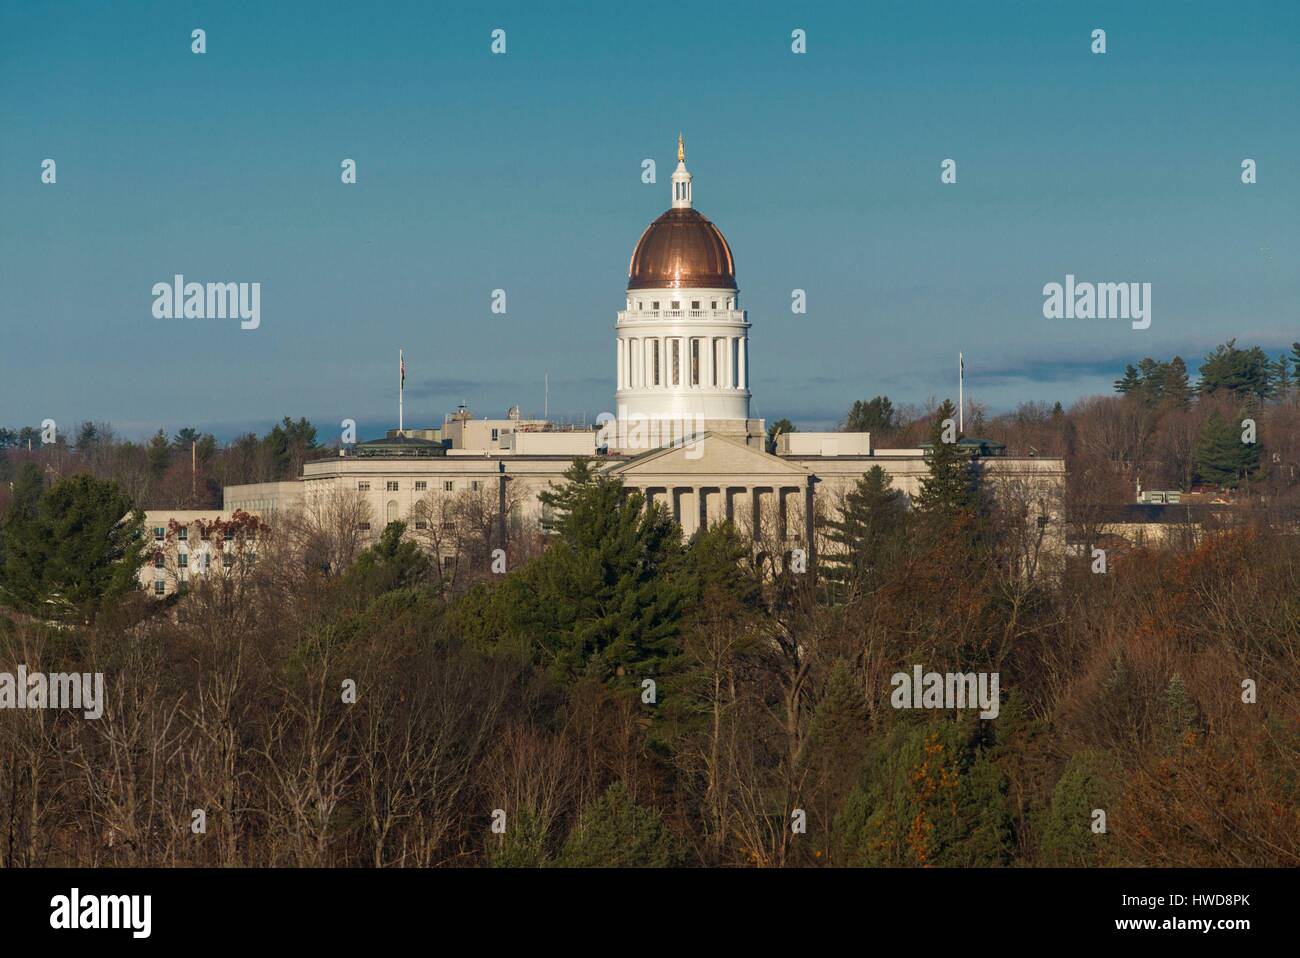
(714, 508)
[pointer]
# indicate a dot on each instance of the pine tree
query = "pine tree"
(557, 501)
(952, 486)
(78, 547)
(615, 832)
(1153, 374)
(1175, 385)
(930, 796)
(865, 533)
(873, 415)
(1090, 780)
(160, 452)
(602, 602)
(1130, 383)
(1242, 372)
(1282, 382)
(838, 738)
(1180, 714)
(1221, 457)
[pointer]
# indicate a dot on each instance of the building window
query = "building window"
(421, 486)
(475, 485)
(421, 526)
(227, 560)
(695, 304)
(655, 304)
(363, 487)
(390, 486)
(392, 510)
(448, 562)
(363, 526)
(677, 362)
(448, 525)
(448, 486)
(159, 586)
(183, 533)
(677, 304)
(250, 558)
(207, 560)
(157, 560)
(158, 533)
(695, 362)
(496, 434)
(715, 304)
(230, 534)
(654, 353)
(203, 532)
(182, 561)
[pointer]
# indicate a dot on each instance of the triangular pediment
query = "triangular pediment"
(709, 455)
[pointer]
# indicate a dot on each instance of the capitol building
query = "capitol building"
(682, 433)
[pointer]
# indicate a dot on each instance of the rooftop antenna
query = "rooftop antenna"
(961, 400)
(401, 390)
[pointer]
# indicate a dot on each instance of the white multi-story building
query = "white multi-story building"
(681, 432)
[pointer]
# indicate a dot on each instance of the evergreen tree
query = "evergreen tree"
(1090, 781)
(160, 454)
(1282, 382)
(1221, 457)
(601, 602)
(1152, 375)
(28, 485)
(522, 846)
(715, 573)
(1130, 382)
(615, 832)
(873, 415)
(557, 501)
(87, 437)
(837, 741)
(78, 548)
(288, 444)
(1175, 385)
(391, 563)
(1180, 713)
(952, 486)
(865, 534)
(929, 796)
(1244, 373)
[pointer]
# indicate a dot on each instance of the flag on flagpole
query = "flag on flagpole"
(401, 363)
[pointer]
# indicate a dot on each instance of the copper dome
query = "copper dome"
(682, 250)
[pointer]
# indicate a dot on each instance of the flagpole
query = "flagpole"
(401, 391)
(961, 394)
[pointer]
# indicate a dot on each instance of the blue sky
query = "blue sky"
(522, 172)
